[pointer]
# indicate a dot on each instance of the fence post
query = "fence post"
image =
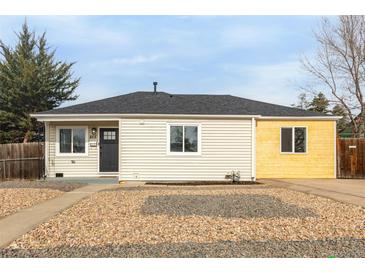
(4, 166)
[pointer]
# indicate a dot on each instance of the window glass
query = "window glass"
(176, 138)
(300, 139)
(65, 140)
(78, 140)
(191, 139)
(286, 140)
(109, 135)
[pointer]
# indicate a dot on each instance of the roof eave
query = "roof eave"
(331, 118)
(108, 117)
(117, 116)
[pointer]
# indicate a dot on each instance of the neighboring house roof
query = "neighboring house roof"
(143, 102)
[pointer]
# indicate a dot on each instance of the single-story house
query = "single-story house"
(158, 136)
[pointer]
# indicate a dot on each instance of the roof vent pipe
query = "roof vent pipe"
(155, 87)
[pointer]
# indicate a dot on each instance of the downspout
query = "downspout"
(335, 148)
(253, 149)
(46, 149)
(119, 150)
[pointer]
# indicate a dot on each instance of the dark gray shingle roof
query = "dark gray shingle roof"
(143, 102)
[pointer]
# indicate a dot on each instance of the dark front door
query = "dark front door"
(108, 150)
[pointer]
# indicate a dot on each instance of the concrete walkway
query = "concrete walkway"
(348, 191)
(17, 224)
(86, 180)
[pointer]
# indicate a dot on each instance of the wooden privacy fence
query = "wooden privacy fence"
(351, 158)
(21, 161)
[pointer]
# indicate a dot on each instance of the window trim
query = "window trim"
(71, 154)
(293, 140)
(183, 153)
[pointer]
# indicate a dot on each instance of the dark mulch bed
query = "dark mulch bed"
(201, 183)
(343, 247)
(187, 187)
(62, 186)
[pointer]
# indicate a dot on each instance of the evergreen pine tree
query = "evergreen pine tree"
(344, 122)
(319, 103)
(31, 80)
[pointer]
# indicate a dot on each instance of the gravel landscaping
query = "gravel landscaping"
(352, 248)
(13, 200)
(242, 221)
(62, 186)
(17, 195)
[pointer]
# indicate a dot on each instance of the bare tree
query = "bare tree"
(339, 65)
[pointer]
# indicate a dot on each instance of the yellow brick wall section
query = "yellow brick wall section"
(318, 162)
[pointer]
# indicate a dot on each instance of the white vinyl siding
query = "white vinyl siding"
(74, 166)
(225, 147)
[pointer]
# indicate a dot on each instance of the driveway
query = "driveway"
(348, 191)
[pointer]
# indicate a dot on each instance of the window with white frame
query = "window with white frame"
(184, 139)
(72, 140)
(293, 139)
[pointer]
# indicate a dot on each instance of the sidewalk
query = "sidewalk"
(14, 226)
(348, 191)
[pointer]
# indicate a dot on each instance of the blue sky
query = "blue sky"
(256, 57)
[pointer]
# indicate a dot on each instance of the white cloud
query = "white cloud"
(80, 30)
(134, 60)
(125, 67)
(74, 31)
(249, 36)
(276, 83)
